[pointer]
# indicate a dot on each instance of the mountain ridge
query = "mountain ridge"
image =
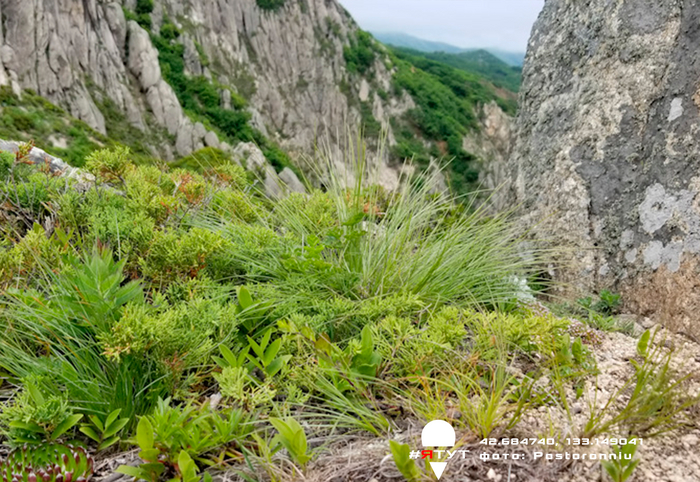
(398, 39)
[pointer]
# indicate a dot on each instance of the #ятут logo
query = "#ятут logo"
(438, 433)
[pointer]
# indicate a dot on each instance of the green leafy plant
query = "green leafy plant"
(352, 368)
(169, 431)
(403, 461)
(74, 310)
(621, 468)
(266, 358)
(252, 314)
(493, 409)
(609, 302)
(292, 437)
(47, 462)
(361, 53)
(105, 431)
(33, 417)
(153, 467)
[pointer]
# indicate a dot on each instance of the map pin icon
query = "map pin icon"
(438, 433)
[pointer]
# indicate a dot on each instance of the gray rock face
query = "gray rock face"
(607, 159)
(292, 181)
(492, 144)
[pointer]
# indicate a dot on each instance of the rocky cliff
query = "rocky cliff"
(607, 159)
(287, 63)
(174, 76)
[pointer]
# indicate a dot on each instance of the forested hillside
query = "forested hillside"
(479, 62)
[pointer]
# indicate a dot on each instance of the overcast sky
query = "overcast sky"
(503, 24)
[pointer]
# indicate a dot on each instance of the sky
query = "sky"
(501, 24)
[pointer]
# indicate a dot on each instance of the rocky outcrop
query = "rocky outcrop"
(607, 159)
(55, 165)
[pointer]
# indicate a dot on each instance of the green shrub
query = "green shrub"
(34, 196)
(175, 255)
(27, 258)
(169, 30)
(31, 417)
(361, 53)
(187, 333)
(7, 160)
(170, 431)
(270, 4)
(109, 165)
(112, 223)
(144, 6)
(410, 245)
(203, 160)
(233, 205)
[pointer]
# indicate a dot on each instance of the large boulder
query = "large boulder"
(607, 159)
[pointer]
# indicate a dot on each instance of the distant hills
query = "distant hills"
(428, 46)
(478, 62)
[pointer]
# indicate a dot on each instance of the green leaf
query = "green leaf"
(111, 418)
(149, 472)
(273, 368)
(403, 461)
(355, 219)
(87, 430)
(272, 351)
(629, 449)
(108, 443)
(643, 343)
(256, 348)
(35, 393)
(149, 454)
(135, 472)
(97, 422)
(281, 427)
(115, 427)
(65, 426)
(628, 471)
(245, 300)
(229, 357)
(144, 434)
(611, 469)
(29, 426)
(366, 340)
(188, 469)
(266, 339)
